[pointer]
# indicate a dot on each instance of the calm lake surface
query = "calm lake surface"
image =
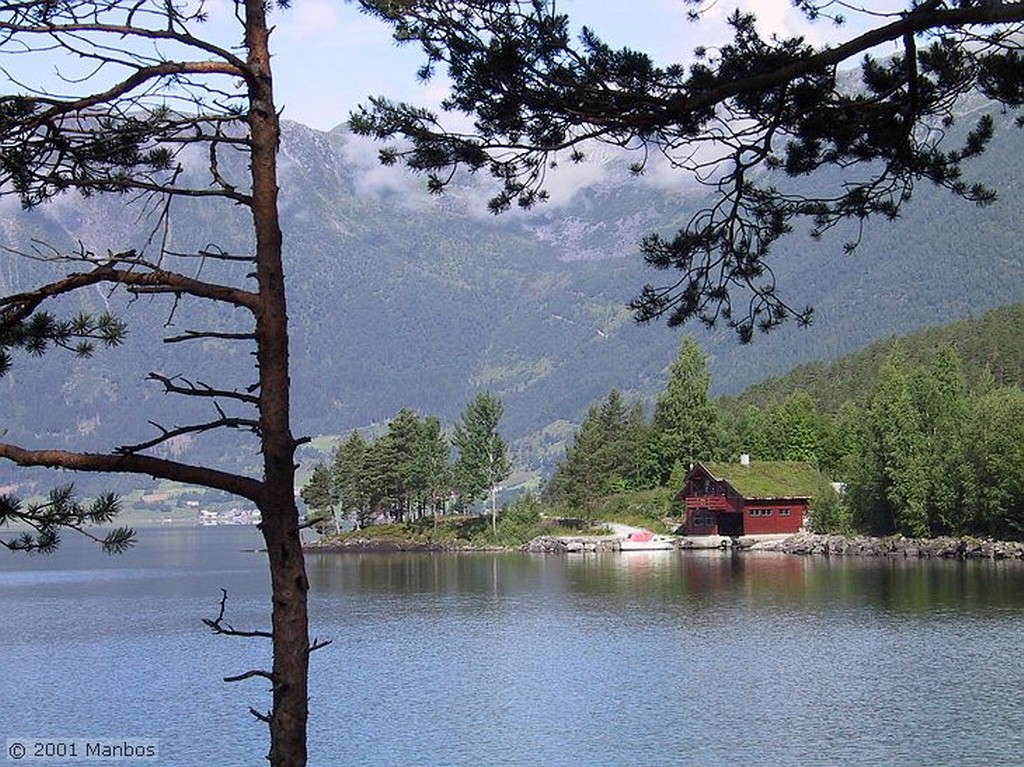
(478, 659)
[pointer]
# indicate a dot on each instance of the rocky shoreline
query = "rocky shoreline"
(801, 544)
(548, 544)
(806, 544)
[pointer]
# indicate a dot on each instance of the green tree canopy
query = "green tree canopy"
(996, 457)
(685, 418)
(349, 478)
(611, 452)
(483, 461)
(320, 497)
(945, 411)
(589, 469)
(795, 430)
(318, 493)
(893, 490)
(432, 467)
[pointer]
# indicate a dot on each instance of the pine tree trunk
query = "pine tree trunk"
(280, 527)
(291, 640)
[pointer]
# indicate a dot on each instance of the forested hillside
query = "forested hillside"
(400, 300)
(989, 345)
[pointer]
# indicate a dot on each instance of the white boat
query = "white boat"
(645, 540)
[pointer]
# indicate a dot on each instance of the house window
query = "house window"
(784, 512)
(760, 512)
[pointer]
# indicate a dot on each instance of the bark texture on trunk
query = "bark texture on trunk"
(288, 719)
(289, 584)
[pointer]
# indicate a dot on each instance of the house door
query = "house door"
(730, 524)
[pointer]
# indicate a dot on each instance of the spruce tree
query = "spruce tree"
(613, 418)
(407, 482)
(685, 417)
(610, 453)
(842, 442)
(433, 465)
(318, 492)
(384, 477)
(752, 434)
(583, 476)
(643, 470)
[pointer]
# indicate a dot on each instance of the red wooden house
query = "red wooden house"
(749, 498)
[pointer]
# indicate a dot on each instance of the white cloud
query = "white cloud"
(372, 179)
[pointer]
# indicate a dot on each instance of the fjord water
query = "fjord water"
(508, 659)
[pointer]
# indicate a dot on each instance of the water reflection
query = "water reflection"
(412, 574)
(551, 659)
(690, 578)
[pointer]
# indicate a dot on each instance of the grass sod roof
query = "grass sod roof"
(770, 479)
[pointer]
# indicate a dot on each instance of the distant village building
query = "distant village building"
(749, 498)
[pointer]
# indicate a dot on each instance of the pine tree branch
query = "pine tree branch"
(71, 26)
(61, 108)
(169, 434)
(194, 335)
(15, 308)
(131, 463)
(211, 252)
(121, 184)
(250, 675)
(218, 626)
(200, 389)
(265, 718)
(61, 512)
(914, 22)
(319, 644)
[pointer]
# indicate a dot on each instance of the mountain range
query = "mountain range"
(398, 299)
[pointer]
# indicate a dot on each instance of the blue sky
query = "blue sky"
(329, 56)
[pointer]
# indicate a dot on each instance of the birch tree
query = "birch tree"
(483, 462)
